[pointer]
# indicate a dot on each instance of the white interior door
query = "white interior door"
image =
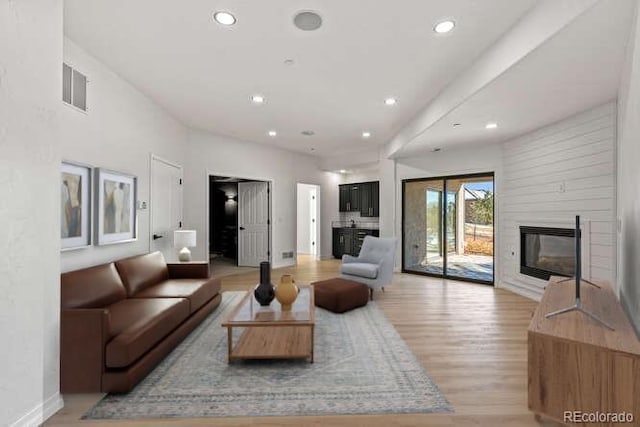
(253, 223)
(312, 221)
(166, 206)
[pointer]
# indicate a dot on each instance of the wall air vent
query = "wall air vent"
(74, 87)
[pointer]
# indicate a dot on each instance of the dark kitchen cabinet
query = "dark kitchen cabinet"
(349, 240)
(361, 197)
(342, 241)
(370, 199)
(349, 195)
(345, 197)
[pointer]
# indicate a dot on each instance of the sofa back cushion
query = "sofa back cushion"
(92, 287)
(142, 271)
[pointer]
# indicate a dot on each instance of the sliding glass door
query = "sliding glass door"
(447, 227)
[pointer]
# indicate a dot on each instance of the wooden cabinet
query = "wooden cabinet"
(349, 195)
(358, 237)
(349, 240)
(370, 199)
(342, 241)
(361, 197)
(344, 198)
(576, 364)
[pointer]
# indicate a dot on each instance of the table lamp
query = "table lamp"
(184, 239)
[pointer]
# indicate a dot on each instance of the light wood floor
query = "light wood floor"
(470, 338)
(222, 267)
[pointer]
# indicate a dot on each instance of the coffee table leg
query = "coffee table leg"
(312, 346)
(229, 343)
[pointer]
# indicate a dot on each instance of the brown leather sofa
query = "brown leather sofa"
(119, 320)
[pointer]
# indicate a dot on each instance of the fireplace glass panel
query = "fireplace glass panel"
(547, 251)
(551, 253)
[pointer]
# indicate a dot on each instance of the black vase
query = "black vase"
(264, 291)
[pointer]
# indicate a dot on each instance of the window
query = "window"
(74, 87)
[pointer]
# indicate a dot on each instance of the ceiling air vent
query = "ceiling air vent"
(74, 87)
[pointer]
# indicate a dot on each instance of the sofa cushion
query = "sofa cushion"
(92, 287)
(137, 324)
(142, 271)
(360, 269)
(197, 291)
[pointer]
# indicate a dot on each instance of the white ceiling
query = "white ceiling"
(203, 73)
(578, 68)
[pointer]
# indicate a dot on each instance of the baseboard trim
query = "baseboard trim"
(635, 322)
(41, 412)
(282, 264)
(520, 290)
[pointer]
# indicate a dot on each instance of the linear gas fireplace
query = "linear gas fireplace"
(546, 251)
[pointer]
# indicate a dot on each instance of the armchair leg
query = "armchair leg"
(370, 294)
(383, 289)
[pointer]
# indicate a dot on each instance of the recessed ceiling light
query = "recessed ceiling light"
(444, 27)
(343, 171)
(289, 61)
(307, 20)
(491, 125)
(224, 18)
(390, 101)
(273, 133)
(455, 125)
(308, 132)
(435, 150)
(257, 99)
(366, 135)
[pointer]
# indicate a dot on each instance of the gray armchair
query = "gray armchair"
(374, 265)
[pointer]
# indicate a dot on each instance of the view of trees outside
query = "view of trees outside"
(433, 222)
(478, 230)
(478, 227)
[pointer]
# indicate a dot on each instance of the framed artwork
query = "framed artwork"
(116, 207)
(75, 206)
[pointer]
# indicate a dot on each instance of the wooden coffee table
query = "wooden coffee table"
(269, 332)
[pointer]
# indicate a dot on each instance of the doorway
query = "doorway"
(448, 227)
(239, 224)
(165, 206)
(308, 220)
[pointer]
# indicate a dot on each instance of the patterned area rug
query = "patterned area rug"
(361, 366)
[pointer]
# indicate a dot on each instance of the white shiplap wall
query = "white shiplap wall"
(553, 174)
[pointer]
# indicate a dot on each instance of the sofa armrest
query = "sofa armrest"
(346, 259)
(83, 335)
(189, 270)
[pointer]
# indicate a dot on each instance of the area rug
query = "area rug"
(362, 366)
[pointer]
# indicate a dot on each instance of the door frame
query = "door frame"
(152, 158)
(318, 219)
(269, 182)
(444, 274)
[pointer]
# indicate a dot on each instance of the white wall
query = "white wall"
(387, 219)
(30, 93)
(553, 174)
(217, 155)
(362, 176)
(448, 162)
(629, 178)
(120, 130)
(303, 218)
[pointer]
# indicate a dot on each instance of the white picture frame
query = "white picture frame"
(75, 205)
(116, 197)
